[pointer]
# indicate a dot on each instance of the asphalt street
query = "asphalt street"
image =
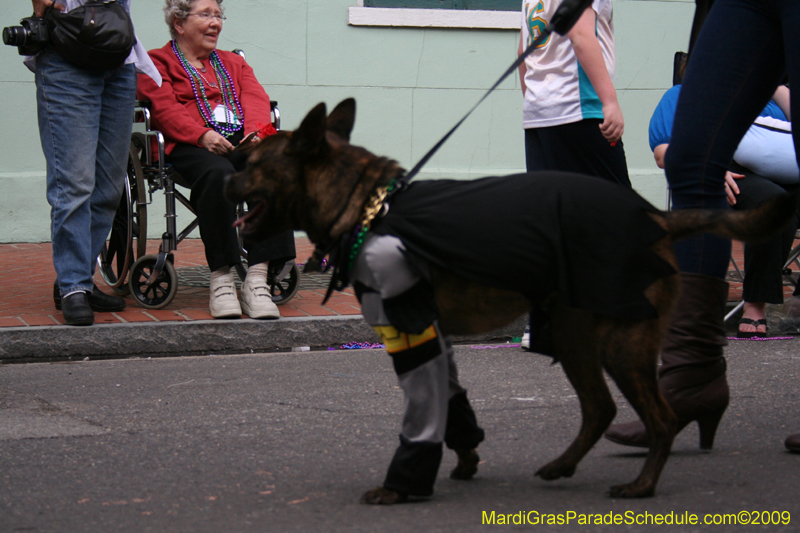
(289, 441)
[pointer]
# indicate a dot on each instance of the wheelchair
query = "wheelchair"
(151, 279)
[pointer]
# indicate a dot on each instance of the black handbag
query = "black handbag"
(97, 35)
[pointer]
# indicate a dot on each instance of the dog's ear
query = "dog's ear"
(309, 139)
(342, 118)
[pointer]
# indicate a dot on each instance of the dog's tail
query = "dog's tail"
(752, 225)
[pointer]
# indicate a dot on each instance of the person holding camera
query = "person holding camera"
(85, 118)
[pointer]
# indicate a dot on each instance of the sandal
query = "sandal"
(750, 334)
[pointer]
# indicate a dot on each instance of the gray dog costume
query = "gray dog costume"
(436, 406)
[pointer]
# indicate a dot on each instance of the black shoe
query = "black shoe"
(98, 300)
(76, 309)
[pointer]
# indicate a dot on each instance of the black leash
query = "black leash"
(564, 19)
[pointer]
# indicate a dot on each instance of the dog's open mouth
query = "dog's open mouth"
(249, 221)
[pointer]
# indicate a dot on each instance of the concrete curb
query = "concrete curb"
(202, 337)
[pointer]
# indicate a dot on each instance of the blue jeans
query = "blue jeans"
(85, 122)
(741, 55)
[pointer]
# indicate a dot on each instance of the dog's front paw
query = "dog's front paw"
(467, 464)
(383, 496)
(555, 470)
(632, 490)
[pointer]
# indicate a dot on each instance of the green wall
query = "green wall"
(411, 85)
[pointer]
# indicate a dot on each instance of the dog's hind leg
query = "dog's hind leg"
(575, 348)
(630, 358)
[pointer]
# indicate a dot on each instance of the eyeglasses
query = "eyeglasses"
(206, 16)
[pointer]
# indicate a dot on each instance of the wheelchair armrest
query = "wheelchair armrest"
(141, 113)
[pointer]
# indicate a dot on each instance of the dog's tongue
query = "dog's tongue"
(253, 213)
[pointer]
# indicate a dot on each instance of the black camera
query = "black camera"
(30, 36)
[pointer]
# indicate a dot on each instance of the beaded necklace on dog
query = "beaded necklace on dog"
(229, 97)
(375, 204)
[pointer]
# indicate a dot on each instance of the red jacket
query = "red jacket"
(173, 106)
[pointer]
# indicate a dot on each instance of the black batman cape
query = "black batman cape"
(537, 233)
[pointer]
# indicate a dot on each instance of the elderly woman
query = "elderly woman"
(208, 103)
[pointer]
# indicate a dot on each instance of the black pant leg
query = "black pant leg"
(579, 147)
(279, 248)
(205, 173)
(763, 281)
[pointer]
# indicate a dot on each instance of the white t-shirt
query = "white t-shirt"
(768, 150)
(558, 91)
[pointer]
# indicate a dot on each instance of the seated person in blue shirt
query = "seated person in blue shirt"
(764, 165)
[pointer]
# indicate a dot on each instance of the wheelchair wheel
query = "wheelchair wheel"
(283, 281)
(128, 238)
(163, 290)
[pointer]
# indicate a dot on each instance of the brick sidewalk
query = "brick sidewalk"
(27, 274)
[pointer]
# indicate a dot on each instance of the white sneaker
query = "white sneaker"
(525, 343)
(223, 302)
(256, 297)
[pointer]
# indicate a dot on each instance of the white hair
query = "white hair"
(179, 10)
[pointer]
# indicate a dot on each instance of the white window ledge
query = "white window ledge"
(433, 18)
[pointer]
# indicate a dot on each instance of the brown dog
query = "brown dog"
(314, 180)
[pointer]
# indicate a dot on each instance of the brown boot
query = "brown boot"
(692, 375)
